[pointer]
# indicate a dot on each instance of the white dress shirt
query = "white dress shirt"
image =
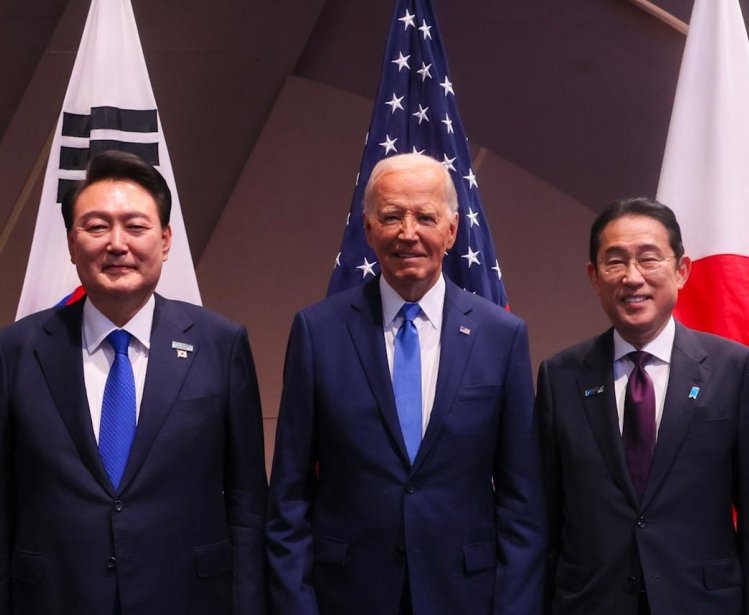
(98, 354)
(429, 327)
(658, 368)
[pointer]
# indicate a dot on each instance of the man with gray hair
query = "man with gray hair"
(407, 476)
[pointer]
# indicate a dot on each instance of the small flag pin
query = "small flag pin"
(594, 391)
(694, 391)
(182, 349)
(465, 330)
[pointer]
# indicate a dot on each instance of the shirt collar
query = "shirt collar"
(660, 347)
(96, 326)
(431, 304)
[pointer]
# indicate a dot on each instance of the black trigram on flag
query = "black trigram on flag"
(111, 127)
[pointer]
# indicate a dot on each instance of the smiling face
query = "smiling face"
(638, 304)
(409, 226)
(118, 246)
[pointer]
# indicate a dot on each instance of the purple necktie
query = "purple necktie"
(639, 421)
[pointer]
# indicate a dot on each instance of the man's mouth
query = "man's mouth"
(635, 299)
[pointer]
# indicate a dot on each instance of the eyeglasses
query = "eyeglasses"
(647, 264)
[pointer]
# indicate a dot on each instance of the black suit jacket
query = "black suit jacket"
(183, 533)
(681, 536)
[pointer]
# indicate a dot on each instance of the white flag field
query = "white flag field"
(109, 104)
(705, 172)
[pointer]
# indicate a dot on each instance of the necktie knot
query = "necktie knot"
(119, 339)
(410, 311)
(639, 358)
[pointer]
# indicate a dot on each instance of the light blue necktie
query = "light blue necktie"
(117, 427)
(407, 379)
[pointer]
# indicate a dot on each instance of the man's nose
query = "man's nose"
(117, 239)
(408, 228)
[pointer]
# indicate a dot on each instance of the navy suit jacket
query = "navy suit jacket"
(680, 536)
(351, 520)
(184, 531)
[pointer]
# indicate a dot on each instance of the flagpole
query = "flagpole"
(663, 15)
(28, 186)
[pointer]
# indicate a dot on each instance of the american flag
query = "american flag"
(416, 111)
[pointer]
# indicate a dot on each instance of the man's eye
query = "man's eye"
(614, 262)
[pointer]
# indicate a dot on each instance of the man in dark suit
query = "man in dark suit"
(644, 436)
(131, 473)
(374, 510)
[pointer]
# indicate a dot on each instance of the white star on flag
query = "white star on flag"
(402, 61)
(471, 179)
(366, 268)
(472, 257)
(424, 71)
(473, 217)
(449, 123)
(408, 20)
(425, 29)
(421, 114)
(497, 269)
(448, 86)
(395, 102)
(448, 162)
(389, 144)
(417, 151)
(338, 260)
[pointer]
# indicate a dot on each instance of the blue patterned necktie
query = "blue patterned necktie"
(407, 379)
(639, 421)
(117, 427)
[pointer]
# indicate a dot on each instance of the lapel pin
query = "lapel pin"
(182, 349)
(694, 392)
(465, 330)
(594, 391)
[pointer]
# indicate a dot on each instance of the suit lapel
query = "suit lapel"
(600, 410)
(366, 331)
(165, 376)
(455, 348)
(61, 360)
(687, 370)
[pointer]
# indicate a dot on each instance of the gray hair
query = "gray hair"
(409, 162)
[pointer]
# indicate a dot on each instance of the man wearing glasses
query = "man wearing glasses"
(645, 432)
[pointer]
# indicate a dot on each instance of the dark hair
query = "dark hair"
(119, 165)
(639, 206)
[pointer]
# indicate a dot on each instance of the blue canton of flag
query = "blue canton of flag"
(415, 111)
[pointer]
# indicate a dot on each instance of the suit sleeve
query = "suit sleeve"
(293, 482)
(245, 485)
(519, 509)
(741, 482)
(552, 486)
(6, 505)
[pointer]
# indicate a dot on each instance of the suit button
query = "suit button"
(410, 488)
(111, 563)
(641, 523)
(631, 587)
(117, 505)
(400, 550)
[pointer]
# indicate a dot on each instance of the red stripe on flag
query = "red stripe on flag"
(716, 297)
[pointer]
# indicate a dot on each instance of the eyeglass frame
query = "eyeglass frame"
(626, 263)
